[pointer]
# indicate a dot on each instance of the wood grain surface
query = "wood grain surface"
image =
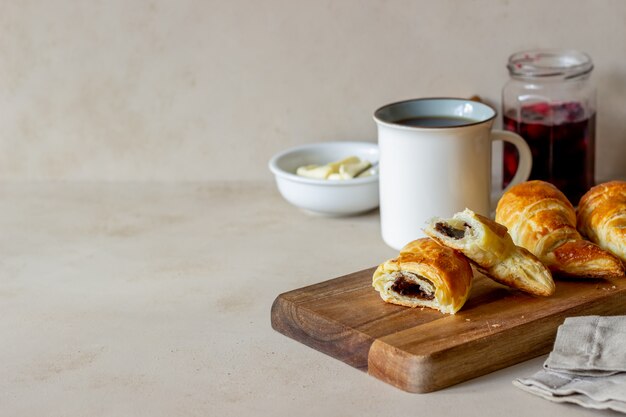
(423, 350)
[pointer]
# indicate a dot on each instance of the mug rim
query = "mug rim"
(377, 118)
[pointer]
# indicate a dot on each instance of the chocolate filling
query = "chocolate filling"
(408, 288)
(450, 231)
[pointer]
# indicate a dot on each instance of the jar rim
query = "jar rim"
(541, 63)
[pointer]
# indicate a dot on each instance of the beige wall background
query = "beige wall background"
(209, 90)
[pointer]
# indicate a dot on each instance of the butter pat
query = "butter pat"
(344, 169)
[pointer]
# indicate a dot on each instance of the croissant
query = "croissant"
(541, 219)
(425, 274)
(491, 248)
(602, 216)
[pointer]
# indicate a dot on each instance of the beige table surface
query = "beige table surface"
(154, 300)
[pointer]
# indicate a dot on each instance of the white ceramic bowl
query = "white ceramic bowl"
(327, 197)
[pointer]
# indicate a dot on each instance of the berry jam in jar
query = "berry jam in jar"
(550, 102)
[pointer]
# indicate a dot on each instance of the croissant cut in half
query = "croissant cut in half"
(425, 274)
(541, 219)
(491, 248)
(602, 216)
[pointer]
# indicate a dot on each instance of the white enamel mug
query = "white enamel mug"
(428, 171)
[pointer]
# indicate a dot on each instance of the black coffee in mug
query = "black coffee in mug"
(436, 121)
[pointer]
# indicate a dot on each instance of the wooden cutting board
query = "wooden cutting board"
(422, 350)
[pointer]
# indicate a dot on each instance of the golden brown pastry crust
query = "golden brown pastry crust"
(449, 273)
(490, 247)
(541, 219)
(602, 216)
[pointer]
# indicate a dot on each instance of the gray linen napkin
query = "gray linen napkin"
(587, 365)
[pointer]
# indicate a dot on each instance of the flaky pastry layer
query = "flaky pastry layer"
(425, 274)
(541, 219)
(602, 216)
(490, 247)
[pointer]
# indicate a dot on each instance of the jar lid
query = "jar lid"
(549, 63)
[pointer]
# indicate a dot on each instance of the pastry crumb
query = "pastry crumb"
(495, 325)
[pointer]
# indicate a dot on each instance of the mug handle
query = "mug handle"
(525, 158)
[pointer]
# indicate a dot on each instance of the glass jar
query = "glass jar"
(549, 100)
